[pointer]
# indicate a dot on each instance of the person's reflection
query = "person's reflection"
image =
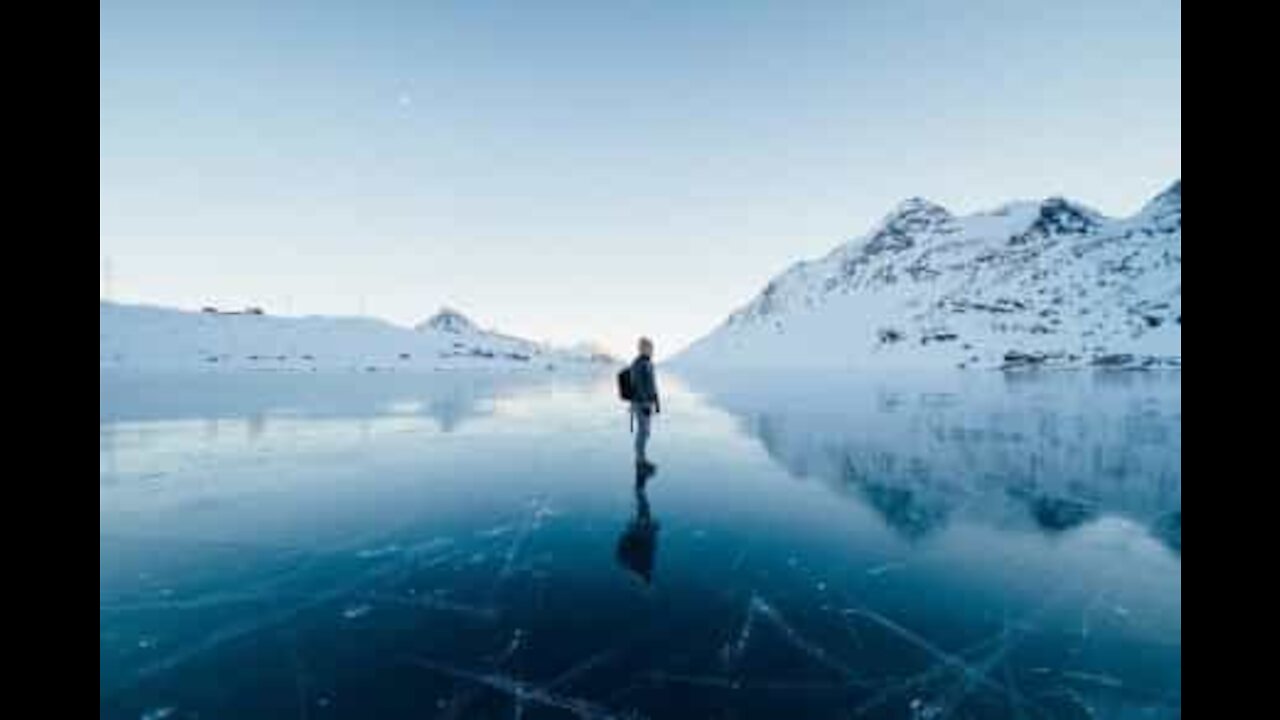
(639, 541)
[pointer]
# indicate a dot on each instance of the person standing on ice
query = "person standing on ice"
(644, 401)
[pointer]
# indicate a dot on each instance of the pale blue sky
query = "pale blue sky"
(594, 170)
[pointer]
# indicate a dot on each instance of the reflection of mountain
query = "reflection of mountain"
(913, 513)
(452, 409)
(448, 398)
(1169, 529)
(1047, 452)
(463, 398)
(1056, 514)
(903, 491)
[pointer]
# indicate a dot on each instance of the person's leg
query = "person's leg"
(642, 433)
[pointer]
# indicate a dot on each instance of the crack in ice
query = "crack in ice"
(521, 691)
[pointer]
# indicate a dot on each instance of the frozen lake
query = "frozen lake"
(460, 545)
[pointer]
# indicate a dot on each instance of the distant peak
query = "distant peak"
(450, 320)
(917, 207)
(912, 219)
(1058, 206)
(1165, 209)
(1172, 196)
(915, 215)
(593, 349)
(1059, 216)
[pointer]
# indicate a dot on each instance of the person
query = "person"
(644, 402)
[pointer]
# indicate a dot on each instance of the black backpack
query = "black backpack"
(625, 389)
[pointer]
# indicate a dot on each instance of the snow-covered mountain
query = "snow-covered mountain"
(1050, 283)
(448, 320)
(154, 338)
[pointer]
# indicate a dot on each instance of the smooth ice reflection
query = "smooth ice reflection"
(467, 545)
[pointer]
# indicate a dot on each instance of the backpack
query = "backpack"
(626, 390)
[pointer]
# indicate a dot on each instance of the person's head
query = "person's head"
(646, 347)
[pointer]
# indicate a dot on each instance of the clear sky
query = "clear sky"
(594, 170)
